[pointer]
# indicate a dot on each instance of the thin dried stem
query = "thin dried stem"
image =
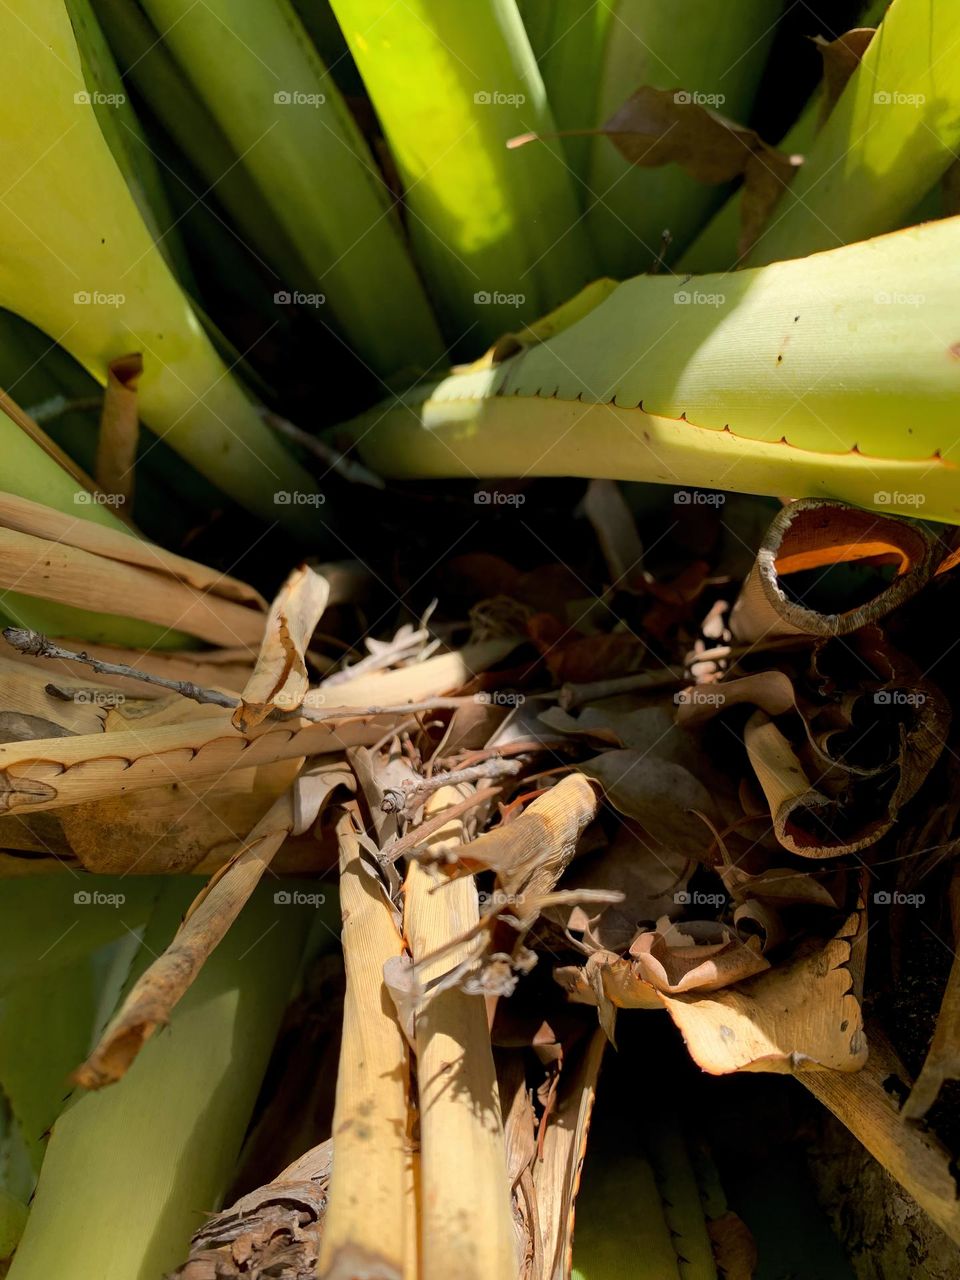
(410, 798)
(213, 911)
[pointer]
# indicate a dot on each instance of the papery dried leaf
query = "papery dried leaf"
(97, 583)
(814, 533)
(34, 518)
(667, 126)
(463, 1173)
(51, 772)
(869, 748)
(280, 680)
(772, 691)
(149, 1002)
(734, 1246)
(557, 1175)
(414, 683)
(652, 879)
(799, 1016)
(672, 963)
(779, 885)
(942, 1061)
(841, 57)
(548, 588)
(119, 428)
(756, 920)
(274, 1231)
(578, 658)
(610, 982)
(172, 829)
(647, 729)
(530, 854)
(658, 795)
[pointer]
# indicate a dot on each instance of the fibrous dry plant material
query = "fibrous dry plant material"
(371, 1223)
(466, 1220)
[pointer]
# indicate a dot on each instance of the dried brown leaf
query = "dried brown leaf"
(280, 679)
(665, 126)
(119, 428)
(658, 795)
(841, 57)
(800, 1016)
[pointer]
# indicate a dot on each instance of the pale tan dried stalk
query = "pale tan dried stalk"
(370, 1228)
(153, 996)
(89, 581)
(865, 1101)
(466, 1226)
(34, 518)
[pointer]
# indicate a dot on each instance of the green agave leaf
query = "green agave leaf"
(714, 53)
(831, 376)
(891, 136)
(129, 1170)
(77, 260)
(496, 231)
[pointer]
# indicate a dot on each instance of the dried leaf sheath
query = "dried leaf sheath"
(280, 678)
(72, 576)
(370, 1228)
(151, 1000)
(119, 427)
(49, 772)
(466, 1223)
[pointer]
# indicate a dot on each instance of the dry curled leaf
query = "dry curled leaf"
(280, 680)
(841, 57)
(801, 1015)
(658, 795)
(698, 955)
(119, 428)
(666, 126)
